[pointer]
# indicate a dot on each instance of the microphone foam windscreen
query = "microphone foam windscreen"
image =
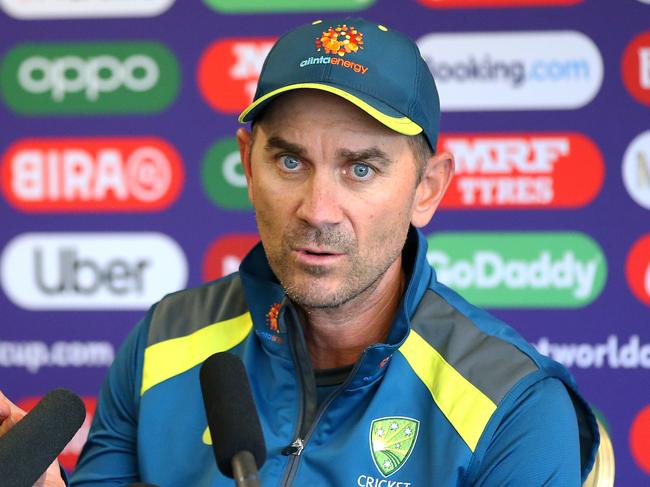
(28, 448)
(229, 407)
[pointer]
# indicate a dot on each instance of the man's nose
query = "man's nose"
(320, 202)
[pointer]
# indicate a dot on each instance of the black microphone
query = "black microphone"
(27, 449)
(237, 438)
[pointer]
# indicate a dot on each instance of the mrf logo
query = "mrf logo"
(391, 442)
(523, 170)
(229, 69)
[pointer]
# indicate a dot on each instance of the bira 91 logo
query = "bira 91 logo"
(553, 70)
(91, 174)
(229, 69)
(635, 68)
(520, 270)
(495, 3)
(70, 454)
(254, 6)
(554, 170)
(226, 253)
(108, 77)
(637, 269)
(84, 271)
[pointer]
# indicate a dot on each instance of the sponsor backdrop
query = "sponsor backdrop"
(120, 178)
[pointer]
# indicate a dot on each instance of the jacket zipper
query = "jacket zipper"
(306, 426)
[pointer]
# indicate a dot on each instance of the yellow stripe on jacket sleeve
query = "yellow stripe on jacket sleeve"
(466, 407)
(172, 357)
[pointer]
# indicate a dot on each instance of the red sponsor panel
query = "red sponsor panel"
(495, 3)
(635, 68)
(522, 170)
(91, 174)
(229, 69)
(640, 439)
(226, 253)
(637, 269)
(70, 454)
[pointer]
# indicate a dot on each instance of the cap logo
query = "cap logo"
(341, 40)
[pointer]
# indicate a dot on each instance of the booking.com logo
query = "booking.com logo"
(514, 72)
(504, 70)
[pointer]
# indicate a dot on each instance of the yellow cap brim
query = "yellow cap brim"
(402, 125)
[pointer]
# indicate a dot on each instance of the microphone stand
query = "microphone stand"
(244, 470)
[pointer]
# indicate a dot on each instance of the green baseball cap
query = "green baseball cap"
(379, 70)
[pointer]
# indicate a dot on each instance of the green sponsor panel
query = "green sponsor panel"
(520, 270)
(222, 176)
(252, 6)
(89, 78)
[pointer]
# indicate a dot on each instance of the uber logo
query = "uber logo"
(91, 270)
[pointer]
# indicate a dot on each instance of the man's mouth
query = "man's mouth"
(313, 255)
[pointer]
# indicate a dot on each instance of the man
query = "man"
(365, 370)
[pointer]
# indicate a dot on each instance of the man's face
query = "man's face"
(333, 191)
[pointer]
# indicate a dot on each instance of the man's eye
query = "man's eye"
(361, 171)
(289, 162)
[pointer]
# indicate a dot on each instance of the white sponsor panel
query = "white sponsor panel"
(533, 70)
(70, 9)
(614, 353)
(33, 355)
(636, 169)
(111, 271)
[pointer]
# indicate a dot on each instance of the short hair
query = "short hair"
(422, 152)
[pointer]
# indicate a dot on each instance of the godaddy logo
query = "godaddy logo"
(78, 78)
(516, 270)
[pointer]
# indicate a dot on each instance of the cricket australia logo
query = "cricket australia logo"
(391, 442)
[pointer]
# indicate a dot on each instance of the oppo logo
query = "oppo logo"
(554, 170)
(519, 270)
(635, 68)
(229, 69)
(637, 269)
(69, 9)
(91, 270)
(91, 174)
(92, 77)
(73, 74)
(226, 253)
(513, 70)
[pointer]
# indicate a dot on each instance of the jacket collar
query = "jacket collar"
(264, 292)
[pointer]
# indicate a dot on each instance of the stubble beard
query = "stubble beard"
(361, 277)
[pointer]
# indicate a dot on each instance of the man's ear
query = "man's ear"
(245, 141)
(432, 187)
